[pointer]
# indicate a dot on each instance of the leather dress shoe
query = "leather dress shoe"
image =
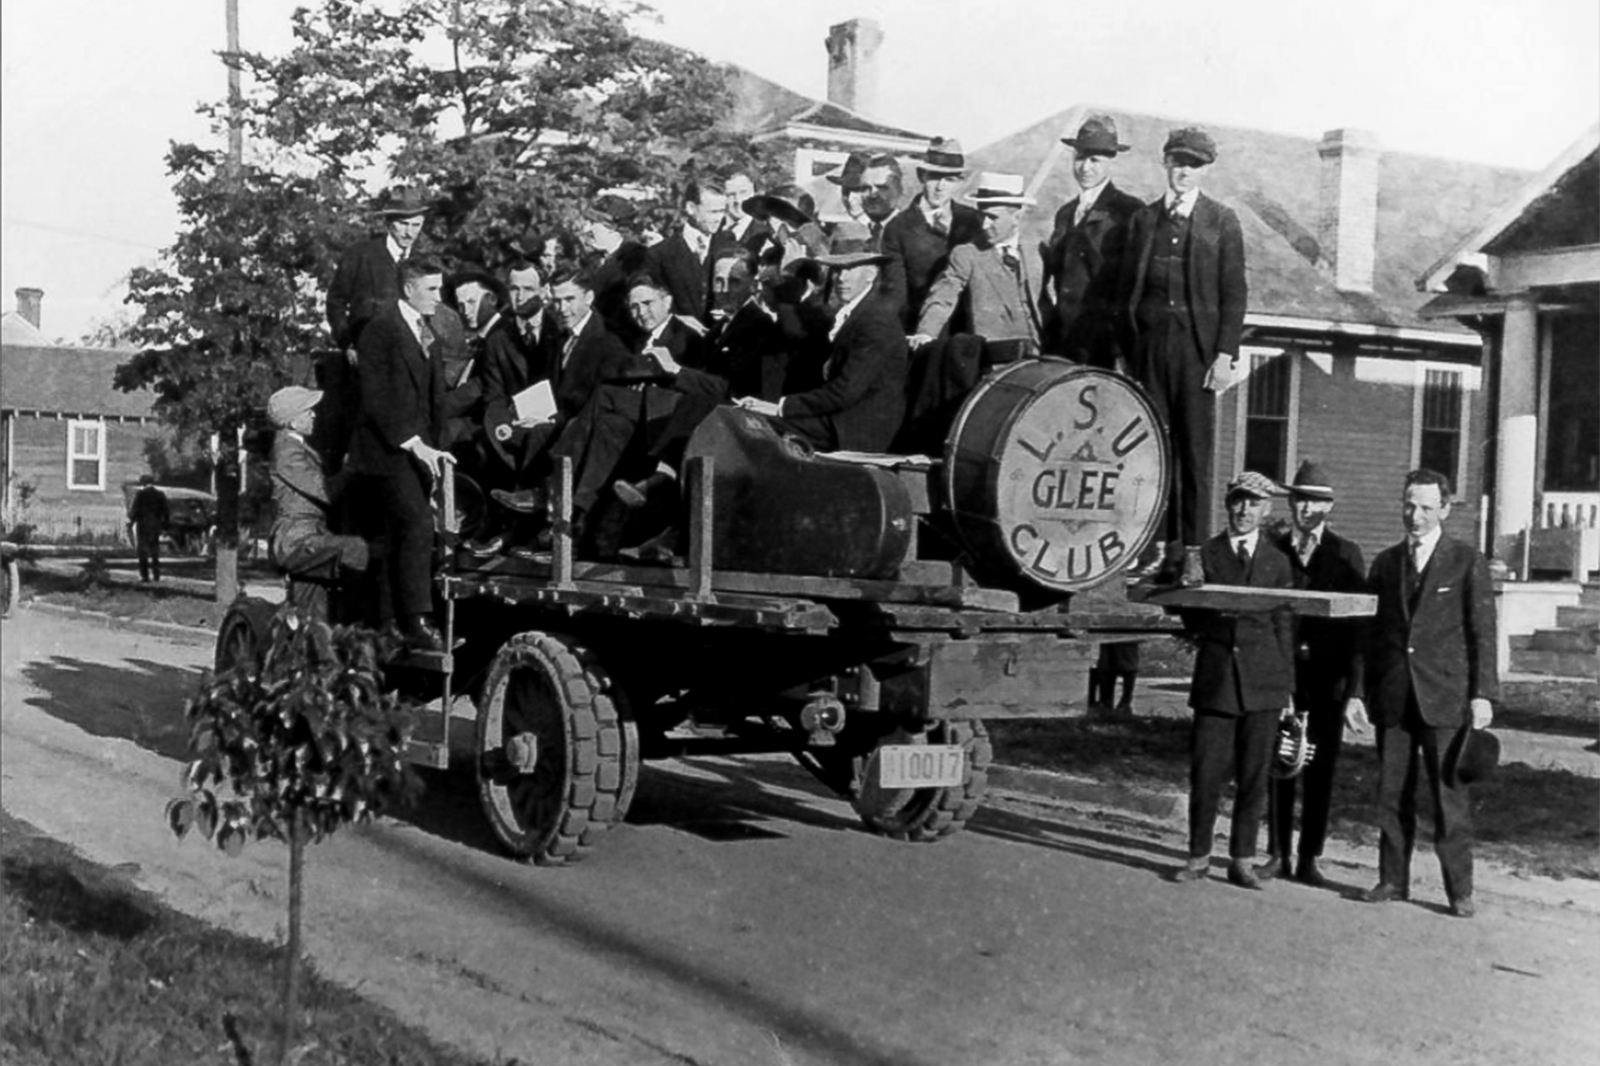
(486, 546)
(1240, 873)
(1193, 870)
(1384, 892)
(420, 634)
(1273, 867)
(635, 494)
(1307, 872)
(1463, 907)
(523, 501)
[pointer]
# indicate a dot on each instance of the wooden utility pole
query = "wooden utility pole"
(231, 488)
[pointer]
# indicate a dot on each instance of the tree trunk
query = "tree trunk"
(226, 539)
(291, 956)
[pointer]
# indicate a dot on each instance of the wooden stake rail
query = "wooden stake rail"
(1240, 599)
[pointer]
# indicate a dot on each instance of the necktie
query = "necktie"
(1008, 256)
(424, 338)
(1308, 545)
(1082, 212)
(1244, 554)
(1175, 210)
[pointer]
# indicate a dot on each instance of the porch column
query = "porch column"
(1515, 491)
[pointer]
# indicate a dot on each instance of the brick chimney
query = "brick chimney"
(1347, 227)
(853, 65)
(28, 302)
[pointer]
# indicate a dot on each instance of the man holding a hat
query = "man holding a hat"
(1183, 300)
(1083, 257)
(1243, 683)
(1429, 672)
(862, 399)
(918, 240)
(303, 496)
(1323, 562)
(1000, 283)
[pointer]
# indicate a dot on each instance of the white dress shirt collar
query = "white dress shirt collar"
(1086, 200)
(1250, 540)
(844, 313)
(413, 319)
(935, 216)
(1182, 205)
(395, 251)
(1422, 547)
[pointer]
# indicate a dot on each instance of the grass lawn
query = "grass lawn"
(155, 603)
(94, 972)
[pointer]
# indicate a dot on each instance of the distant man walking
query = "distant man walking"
(147, 518)
(1429, 672)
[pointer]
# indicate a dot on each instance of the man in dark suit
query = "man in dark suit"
(148, 515)
(513, 359)
(1243, 682)
(1083, 257)
(1323, 562)
(363, 284)
(394, 447)
(918, 240)
(1429, 672)
(1183, 300)
(683, 260)
(862, 399)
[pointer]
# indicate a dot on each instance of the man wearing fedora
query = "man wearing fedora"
(918, 239)
(862, 399)
(1324, 659)
(683, 260)
(363, 285)
(1429, 672)
(1083, 257)
(1243, 682)
(1182, 302)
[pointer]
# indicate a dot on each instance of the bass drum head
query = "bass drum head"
(1056, 475)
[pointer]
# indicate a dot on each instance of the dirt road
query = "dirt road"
(741, 919)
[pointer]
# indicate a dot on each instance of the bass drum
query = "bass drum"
(1055, 475)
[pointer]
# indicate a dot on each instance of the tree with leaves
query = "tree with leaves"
(513, 112)
(291, 747)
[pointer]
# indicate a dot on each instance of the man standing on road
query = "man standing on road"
(1323, 562)
(1243, 680)
(1429, 671)
(147, 518)
(1183, 298)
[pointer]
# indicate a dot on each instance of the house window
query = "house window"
(1267, 415)
(86, 455)
(1440, 447)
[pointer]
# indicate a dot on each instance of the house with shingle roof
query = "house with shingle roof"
(68, 437)
(1340, 364)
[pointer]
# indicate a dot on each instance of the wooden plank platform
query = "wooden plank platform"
(1240, 599)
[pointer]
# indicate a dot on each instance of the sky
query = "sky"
(94, 90)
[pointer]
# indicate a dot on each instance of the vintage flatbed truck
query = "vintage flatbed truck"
(864, 614)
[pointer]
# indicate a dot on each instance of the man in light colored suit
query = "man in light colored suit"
(1429, 671)
(1000, 282)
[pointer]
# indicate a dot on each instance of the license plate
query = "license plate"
(921, 766)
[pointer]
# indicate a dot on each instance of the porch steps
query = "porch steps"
(1578, 617)
(1571, 648)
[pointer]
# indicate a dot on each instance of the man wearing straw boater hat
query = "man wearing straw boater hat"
(1324, 660)
(1000, 282)
(1083, 257)
(918, 239)
(1183, 298)
(862, 399)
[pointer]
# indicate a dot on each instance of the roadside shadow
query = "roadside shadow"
(138, 699)
(1128, 849)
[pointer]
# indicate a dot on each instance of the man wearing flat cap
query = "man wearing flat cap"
(1183, 304)
(1243, 683)
(1083, 257)
(862, 399)
(918, 239)
(303, 498)
(1323, 561)
(1429, 671)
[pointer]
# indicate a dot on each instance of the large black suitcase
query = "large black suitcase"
(777, 507)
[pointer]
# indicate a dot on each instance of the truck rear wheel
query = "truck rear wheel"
(242, 637)
(925, 814)
(556, 762)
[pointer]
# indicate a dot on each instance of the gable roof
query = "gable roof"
(1523, 207)
(66, 380)
(1273, 181)
(14, 329)
(762, 108)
